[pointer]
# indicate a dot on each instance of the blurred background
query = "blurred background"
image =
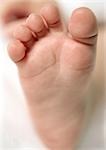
(16, 130)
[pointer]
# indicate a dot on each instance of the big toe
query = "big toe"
(83, 30)
(83, 26)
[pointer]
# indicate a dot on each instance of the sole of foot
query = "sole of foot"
(55, 62)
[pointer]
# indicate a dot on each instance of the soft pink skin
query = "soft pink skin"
(12, 12)
(55, 71)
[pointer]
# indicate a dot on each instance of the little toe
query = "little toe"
(36, 24)
(16, 50)
(83, 26)
(22, 33)
(51, 15)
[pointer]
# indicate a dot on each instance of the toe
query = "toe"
(16, 50)
(51, 15)
(22, 33)
(8, 29)
(36, 24)
(83, 26)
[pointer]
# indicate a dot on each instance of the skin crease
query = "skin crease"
(27, 85)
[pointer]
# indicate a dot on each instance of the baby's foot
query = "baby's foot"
(55, 63)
